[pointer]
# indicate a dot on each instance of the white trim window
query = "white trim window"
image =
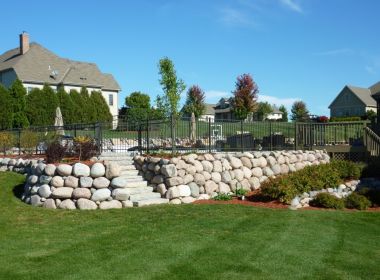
(110, 99)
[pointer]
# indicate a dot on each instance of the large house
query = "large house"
(35, 66)
(223, 111)
(354, 101)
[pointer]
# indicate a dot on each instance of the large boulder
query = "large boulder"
(169, 170)
(71, 182)
(198, 166)
(113, 204)
(81, 193)
(216, 177)
(226, 177)
(239, 174)
(172, 193)
(85, 204)
(101, 195)
(62, 193)
(64, 169)
(217, 166)
(49, 203)
(57, 182)
(247, 172)
(50, 169)
(184, 190)
(101, 183)
(81, 170)
(187, 199)
(97, 170)
(187, 179)
(67, 204)
(35, 200)
(32, 179)
(235, 162)
(174, 181)
(224, 188)
(246, 162)
(44, 191)
(118, 182)
(158, 179)
(121, 194)
(44, 179)
(257, 172)
(199, 179)
(85, 182)
(211, 187)
(194, 188)
(112, 170)
(207, 166)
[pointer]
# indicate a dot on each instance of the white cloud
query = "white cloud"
(235, 17)
(213, 96)
(344, 51)
(287, 102)
(292, 5)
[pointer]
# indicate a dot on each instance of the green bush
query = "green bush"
(372, 194)
(327, 200)
(357, 201)
(311, 178)
(222, 196)
(29, 141)
(345, 119)
(55, 152)
(347, 169)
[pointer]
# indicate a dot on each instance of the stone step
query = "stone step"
(152, 201)
(132, 178)
(120, 161)
(139, 190)
(144, 196)
(129, 172)
(113, 154)
(127, 167)
(136, 184)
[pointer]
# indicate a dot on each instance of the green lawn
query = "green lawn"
(184, 242)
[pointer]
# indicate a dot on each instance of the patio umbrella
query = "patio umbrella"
(192, 128)
(58, 123)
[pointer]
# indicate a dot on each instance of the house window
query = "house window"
(29, 89)
(110, 99)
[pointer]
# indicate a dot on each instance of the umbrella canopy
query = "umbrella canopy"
(193, 128)
(58, 122)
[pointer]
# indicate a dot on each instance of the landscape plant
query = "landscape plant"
(7, 140)
(284, 111)
(299, 111)
(223, 197)
(101, 110)
(85, 147)
(18, 93)
(245, 96)
(357, 201)
(67, 106)
(55, 151)
(195, 101)
(29, 141)
(327, 200)
(6, 109)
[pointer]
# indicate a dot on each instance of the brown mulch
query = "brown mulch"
(256, 199)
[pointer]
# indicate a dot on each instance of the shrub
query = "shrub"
(55, 151)
(346, 169)
(6, 141)
(372, 194)
(28, 141)
(372, 169)
(327, 200)
(345, 119)
(316, 177)
(357, 201)
(85, 147)
(223, 196)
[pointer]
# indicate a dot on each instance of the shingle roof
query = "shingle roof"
(38, 64)
(364, 94)
(375, 88)
(210, 109)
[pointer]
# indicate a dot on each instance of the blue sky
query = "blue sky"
(294, 49)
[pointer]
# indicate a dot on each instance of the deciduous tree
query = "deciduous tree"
(245, 96)
(300, 113)
(195, 101)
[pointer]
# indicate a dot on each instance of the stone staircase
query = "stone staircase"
(139, 192)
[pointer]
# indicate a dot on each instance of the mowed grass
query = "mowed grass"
(184, 242)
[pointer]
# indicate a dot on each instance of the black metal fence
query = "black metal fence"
(174, 135)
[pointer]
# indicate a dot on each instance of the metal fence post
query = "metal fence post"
(75, 130)
(209, 135)
(311, 136)
(295, 136)
(139, 140)
(271, 135)
(98, 137)
(241, 136)
(19, 141)
(147, 135)
(172, 133)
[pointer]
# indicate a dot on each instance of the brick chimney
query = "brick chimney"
(24, 42)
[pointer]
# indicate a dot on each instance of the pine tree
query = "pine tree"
(79, 112)
(89, 110)
(18, 94)
(6, 109)
(33, 110)
(195, 101)
(67, 106)
(101, 109)
(299, 112)
(245, 96)
(284, 111)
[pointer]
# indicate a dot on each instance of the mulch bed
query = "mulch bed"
(256, 199)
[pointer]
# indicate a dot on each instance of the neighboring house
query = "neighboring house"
(35, 66)
(275, 115)
(223, 109)
(354, 101)
(209, 113)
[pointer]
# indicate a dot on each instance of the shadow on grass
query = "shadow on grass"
(18, 191)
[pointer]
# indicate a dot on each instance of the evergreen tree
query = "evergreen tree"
(245, 96)
(263, 110)
(79, 112)
(101, 109)
(6, 109)
(67, 106)
(284, 111)
(195, 101)
(18, 94)
(299, 112)
(89, 108)
(41, 106)
(137, 107)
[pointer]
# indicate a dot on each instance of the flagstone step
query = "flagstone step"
(143, 196)
(152, 201)
(138, 190)
(136, 184)
(129, 172)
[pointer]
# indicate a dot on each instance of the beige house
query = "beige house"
(35, 66)
(354, 101)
